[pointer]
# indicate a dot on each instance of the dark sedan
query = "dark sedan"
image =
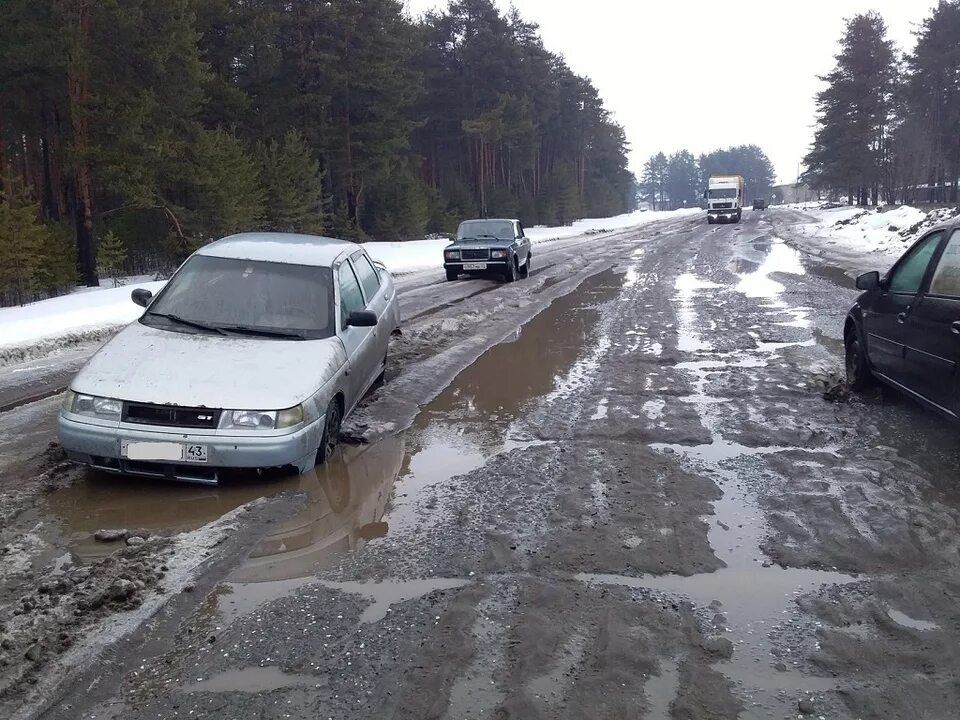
(489, 247)
(904, 330)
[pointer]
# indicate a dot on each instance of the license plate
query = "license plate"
(170, 451)
(474, 266)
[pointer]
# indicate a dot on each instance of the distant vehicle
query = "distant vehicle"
(724, 198)
(759, 204)
(250, 357)
(489, 247)
(904, 330)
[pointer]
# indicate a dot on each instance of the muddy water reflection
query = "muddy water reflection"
(344, 504)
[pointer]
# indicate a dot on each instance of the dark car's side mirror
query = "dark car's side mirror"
(141, 297)
(362, 318)
(869, 281)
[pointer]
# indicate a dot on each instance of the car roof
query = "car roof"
(490, 220)
(291, 248)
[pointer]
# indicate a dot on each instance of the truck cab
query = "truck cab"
(725, 195)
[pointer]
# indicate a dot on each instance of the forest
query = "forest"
(676, 181)
(888, 124)
(134, 131)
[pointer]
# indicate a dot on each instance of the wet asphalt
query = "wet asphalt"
(631, 499)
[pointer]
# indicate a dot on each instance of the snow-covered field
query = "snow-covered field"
(39, 327)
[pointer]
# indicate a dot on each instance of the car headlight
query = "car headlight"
(92, 406)
(498, 253)
(451, 254)
(261, 419)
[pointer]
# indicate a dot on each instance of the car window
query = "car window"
(351, 299)
(946, 278)
(369, 277)
(267, 296)
(520, 230)
(908, 275)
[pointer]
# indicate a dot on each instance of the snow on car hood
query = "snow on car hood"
(145, 364)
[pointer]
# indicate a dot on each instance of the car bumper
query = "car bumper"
(99, 446)
(725, 213)
(498, 265)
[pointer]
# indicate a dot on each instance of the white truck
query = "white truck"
(725, 197)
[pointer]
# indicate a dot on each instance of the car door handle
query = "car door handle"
(955, 327)
(901, 317)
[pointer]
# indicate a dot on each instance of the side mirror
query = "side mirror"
(141, 297)
(362, 318)
(869, 281)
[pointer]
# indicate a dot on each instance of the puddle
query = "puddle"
(754, 597)
(661, 690)
(479, 415)
(385, 593)
(551, 685)
(250, 680)
(906, 621)
(343, 498)
(238, 599)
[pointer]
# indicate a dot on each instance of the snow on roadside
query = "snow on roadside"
(38, 327)
(865, 230)
(41, 327)
(418, 255)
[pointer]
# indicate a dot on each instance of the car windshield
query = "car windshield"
(485, 229)
(718, 193)
(246, 297)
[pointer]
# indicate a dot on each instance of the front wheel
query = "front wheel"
(331, 432)
(859, 376)
(709, 221)
(452, 275)
(511, 272)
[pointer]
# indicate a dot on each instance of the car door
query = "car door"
(359, 342)
(933, 347)
(524, 244)
(886, 320)
(374, 293)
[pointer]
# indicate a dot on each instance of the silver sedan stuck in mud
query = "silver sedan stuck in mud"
(250, 357)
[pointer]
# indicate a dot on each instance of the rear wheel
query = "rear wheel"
(452, 275)
(859, 376)
(511, 272)
(331, 432)
(525, 270)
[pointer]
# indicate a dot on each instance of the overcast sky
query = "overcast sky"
(689, 74)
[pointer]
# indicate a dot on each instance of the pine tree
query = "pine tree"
(292, 185)
(930, 132)
(654, 177)
(682, 180)
(224, 194)
(22, 240)
(850, 148)
(111, 255)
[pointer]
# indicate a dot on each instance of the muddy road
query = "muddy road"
(614, 490)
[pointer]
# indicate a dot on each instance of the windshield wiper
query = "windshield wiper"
(188, 323)
(247, 330)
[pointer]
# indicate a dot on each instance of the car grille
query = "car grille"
(475, 254)
(722, 206)
(170, 415)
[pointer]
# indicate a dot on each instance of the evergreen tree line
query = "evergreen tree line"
(679, 180)
(133, 131)
(888, 124)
